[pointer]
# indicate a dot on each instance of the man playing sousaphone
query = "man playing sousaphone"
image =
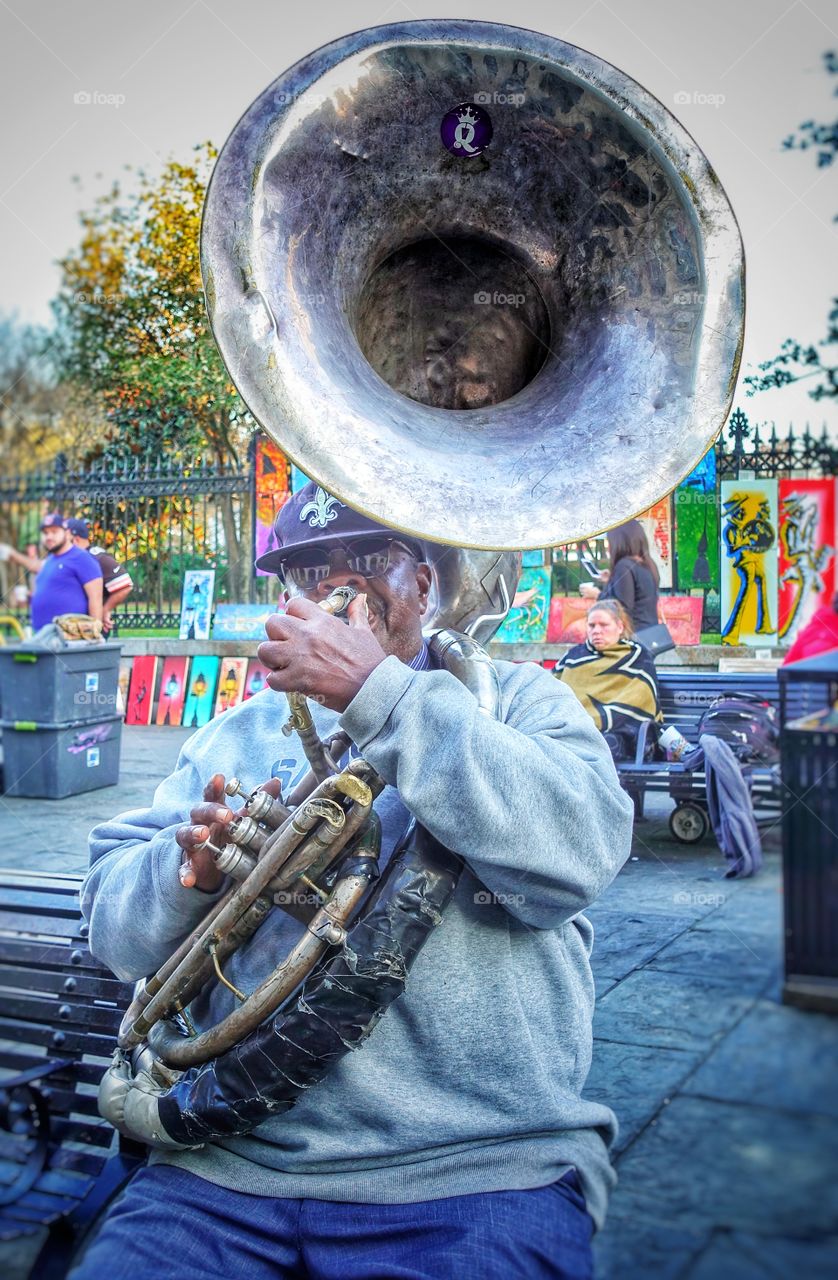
(458, 1140)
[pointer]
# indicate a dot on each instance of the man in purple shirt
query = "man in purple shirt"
(69, 580)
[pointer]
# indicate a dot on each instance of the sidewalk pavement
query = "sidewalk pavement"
(728, 1148)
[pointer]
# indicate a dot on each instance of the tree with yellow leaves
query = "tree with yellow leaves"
(132, 327)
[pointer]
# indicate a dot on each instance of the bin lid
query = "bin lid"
(75, 646)
(821, 666)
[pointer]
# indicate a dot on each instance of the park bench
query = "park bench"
(60, 1163)
(685, 695)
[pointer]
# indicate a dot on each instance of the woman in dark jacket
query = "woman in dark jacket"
(632, 577)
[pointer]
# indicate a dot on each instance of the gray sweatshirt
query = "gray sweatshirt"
(473, 1080)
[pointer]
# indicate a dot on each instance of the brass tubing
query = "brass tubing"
(155, 983)
(180, 976)
(177, 1051)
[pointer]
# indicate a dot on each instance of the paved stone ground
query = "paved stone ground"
(728, 1147)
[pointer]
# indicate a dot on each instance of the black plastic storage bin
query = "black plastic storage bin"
(49, 761)
(59, 688)
(809, 747)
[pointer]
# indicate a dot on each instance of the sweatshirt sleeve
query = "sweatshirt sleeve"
(531, 801)
(136, 907)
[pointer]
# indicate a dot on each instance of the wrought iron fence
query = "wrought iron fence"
(158, 516)
(760, 450)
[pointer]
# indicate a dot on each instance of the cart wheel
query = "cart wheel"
(688, 823)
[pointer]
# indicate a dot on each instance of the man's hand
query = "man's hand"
(311, 652)
(197, 868)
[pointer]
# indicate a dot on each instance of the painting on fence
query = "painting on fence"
(200, 696)
(807, 552)
(242, 621)
(696, 538)
(566, 624)
(172, 691)
(141, 691)
(272, 490)
(657, 524)
(749, 562)
(256, 679)
(527, 619)
(196, 604)
(682, 614)
(230, 684)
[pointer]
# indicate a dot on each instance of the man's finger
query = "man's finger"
(187, 837)
(214, 790)
(280, 626)
(299, 607)
(358, 613)
(273, 654)
(186, 875)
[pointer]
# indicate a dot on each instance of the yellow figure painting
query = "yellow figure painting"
(749, 540)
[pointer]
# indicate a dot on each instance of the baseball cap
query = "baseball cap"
(313, 517)
(79, 527)
(54, 520)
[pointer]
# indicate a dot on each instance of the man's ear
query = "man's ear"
(424, 578)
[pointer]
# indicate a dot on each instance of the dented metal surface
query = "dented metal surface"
(451, 345)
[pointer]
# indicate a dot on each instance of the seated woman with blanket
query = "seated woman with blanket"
(614, 678)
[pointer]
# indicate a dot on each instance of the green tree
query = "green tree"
(132, 327)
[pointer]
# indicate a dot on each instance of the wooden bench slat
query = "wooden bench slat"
(49, 955)
(51, 981)
(36, 1009)
(71, 1042)
(24, 900)
(50, 926)
(83, 1072)
(90, 1134)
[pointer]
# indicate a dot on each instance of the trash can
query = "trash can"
(809, 762)
(50, 761)
(65, 687)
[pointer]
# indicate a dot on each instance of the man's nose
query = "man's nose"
(340, 575)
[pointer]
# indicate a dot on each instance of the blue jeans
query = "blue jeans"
(171, 1224)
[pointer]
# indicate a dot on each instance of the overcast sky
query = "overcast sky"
(184, 70)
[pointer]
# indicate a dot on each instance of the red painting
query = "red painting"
(141, 691)
(256, 679)
(806, 577)
(172, 691)
(682, 614)
(272, 490)
(566, 624)
(657, 524)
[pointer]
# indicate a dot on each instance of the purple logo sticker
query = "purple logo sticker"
(467, 130)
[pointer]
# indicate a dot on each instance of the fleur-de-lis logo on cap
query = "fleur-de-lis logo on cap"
(320, 509)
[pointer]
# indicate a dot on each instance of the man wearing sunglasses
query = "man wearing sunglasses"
(457, 1141)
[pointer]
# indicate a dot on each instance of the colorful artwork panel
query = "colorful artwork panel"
(567, 620)
(749, 547)
(657, 523)
(242, 621)
(807, 552)
(682, 614)
(141, 691)
(200, 691)
(256, 679)
(172, 693)
(696, 538)
(231, 680)
(196, 604)
(703, 476)
(272, 490)
(527, 619)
